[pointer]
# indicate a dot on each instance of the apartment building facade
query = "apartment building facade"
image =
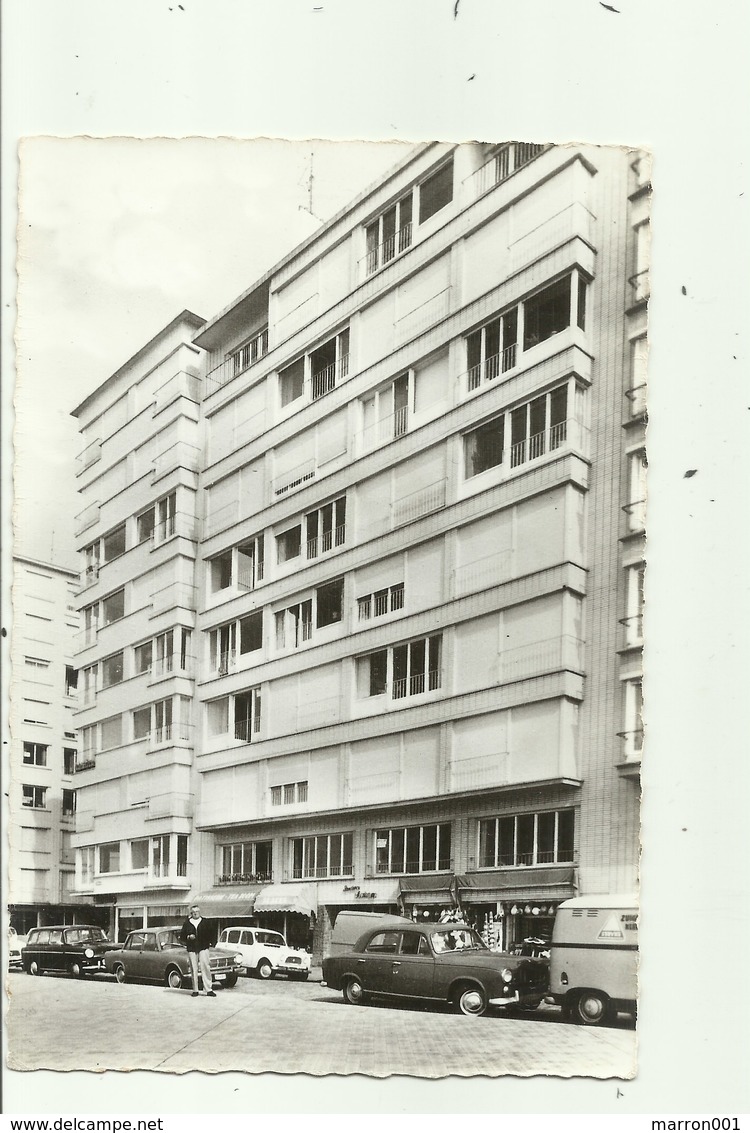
(417, 558)
(43, 744)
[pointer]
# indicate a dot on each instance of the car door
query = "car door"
(132, 953)
(55, 953)
(246, 948)
(377, 965)
(413, 969)
(149, 959)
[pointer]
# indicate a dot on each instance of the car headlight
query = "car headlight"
(238, 959)
(89, 953)
(506, 975)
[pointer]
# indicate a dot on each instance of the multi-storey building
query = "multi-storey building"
(419, 579)
(43, 744)
(136, 532)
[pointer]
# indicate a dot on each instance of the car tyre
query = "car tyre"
(264, 969)
(174, 978)
(119, 973)
(470, 999)
(76, 970)
(353, 992)
(231, 979)
(34, 969)
(591, 1008)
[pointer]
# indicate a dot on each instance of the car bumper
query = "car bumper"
(517, 998)
(292, 969)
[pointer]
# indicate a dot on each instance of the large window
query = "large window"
(34, 797)
(113, 607)
(381, 602)
(112, 670)
(483, 447)
(247, 714)
(243, 862)
(322, 855)
(390, 234)
(492, 349)
(289, 544)
(406, 670)
(329, 601)
(436, 191)
(251, 632)
(113, 544)
(109, 857)
(35, 755)
(289, 794)
(413, 849)
(546, 313)
(292, 381)
(540, 838)
(220, 572)
(325, 528)
(534, 428)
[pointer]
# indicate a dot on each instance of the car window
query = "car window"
(232, 936)
(40, 937)
(149, 941)
(383, 942)
(457, 940)
(246, 938)
(272, 938)
(171, 939)
(135, 940)
(73, 936)
(414, 944)
(89, 935)
(55, 936)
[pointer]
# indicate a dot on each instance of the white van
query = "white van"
(594, 957)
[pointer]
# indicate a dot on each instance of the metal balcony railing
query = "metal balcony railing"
(170, 733)
(181, 384)
(311, 872)
(178, 455)
(636, 395)
(84, 762)
(249, 574)
(636, 513)
(552, 653)
(87, 518)
(414, 865)
(633, 628)
(416, 684)
(390, 247)
(386, 429)
(171, 663)
(238, 362)
(328, 378)
(479, 771)
(418, 503)
(512, 156)
(492, 367)
(245, 729)
(225, 662)
(326, 541)
(482, 573)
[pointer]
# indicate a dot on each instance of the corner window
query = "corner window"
(436, 192)
(546, 313)
(113, 544)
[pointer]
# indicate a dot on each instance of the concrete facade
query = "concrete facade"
(412, 564)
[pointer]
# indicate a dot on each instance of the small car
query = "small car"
(15, 944)
(158, 956)
(449, 962)
(77, 949)
(266, 954)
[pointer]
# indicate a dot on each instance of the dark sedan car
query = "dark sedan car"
(78, 949)
(442, 962)
(158, 956)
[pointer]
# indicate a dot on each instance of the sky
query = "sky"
(117, 236)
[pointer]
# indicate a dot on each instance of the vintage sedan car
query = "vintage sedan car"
(15, 944)
(158, 956)
(77, 949)
(447, 962)
(266, 954)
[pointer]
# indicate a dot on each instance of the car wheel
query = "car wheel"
(353, 992)
(230, 980)
(119, 972)
(75, 969)
(470, 1000)
(174, 978)
(34, 969)
(264, 970)
(591, 1008)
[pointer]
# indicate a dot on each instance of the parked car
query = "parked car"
(158, 956)
(447, 962)
(15, 944)
(77, 949)
(266, 954)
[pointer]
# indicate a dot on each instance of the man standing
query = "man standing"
(198, 935)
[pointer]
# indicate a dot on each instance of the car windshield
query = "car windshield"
(274, 939)
(457, 940)
(84, 935)
(170, 938)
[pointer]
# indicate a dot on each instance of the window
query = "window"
(322, 855)
(35, 755)
(217, 716)
(112, 670)
(250, 563)
(416, 667)
(34, 797)
(325, 527)
(160, 847)
(527, 839)
(223, 642)
(492, 349)
(143, 655)
(146, 522)
(182, 855)
(436, 192)
(246, 861)
(483, 447)
(251, 632)
(289, 793)
(247, 713)
(294, 625)
(386, 412)
(110, 733)
(69, 760)
(633, 621)
(90, 623)
(37, 663)
(633, 734)
(635, 509)
(383, 601)
(220, 572)
(378, 673)
(109, 857)
(166, 511)
(292, 381)
(249, 354)
(68, 803)
(71, 680)
(289, 544)
(329, 600)
(113, 544)
(546, 313)
(413, 849)
(329, 364)
(142, 723)
(113, 607)
(390, 234)
(91, 561)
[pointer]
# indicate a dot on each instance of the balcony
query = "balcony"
(492, 367)
(395, 244)
(326, 541)
(238, 363)
(173, 664)
(181, 384)
(169, 734)
(294, 478)
(328, 378)
(479, 771)
(89, 575)
(633, 630)
(182, 524)
(419, 503)
(84, 762)
(636, 513)
(87, 518)
(249, 572)
(417, 684)
(175, 594)
(387, 429)
(511, 156)
(89, 456)
(482, 573)
(548, 655)
(86, 637)
(245, 730)
(179, 455)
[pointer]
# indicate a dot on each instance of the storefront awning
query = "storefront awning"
(287, 899)
(518, 884)
(425, 890)
(229, 902)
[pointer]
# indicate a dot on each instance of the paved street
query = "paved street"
(59, 1023)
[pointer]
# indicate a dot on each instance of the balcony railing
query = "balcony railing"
(87, 518)
(171, 663)
(633, 629)
(482, 573)
(225, 662)
(179, 455)
(344, 870)
(507, 160)
(245, 729)
(181, 384)
(182, 523)
(492, 367)
(390, 247)
(89, 456)
(633, 743)
(424, 316)
(327, 379)
(250, 574)
(238, 363)
(326, 541)
(416, 684)
(243, 879)
(552, 653)
(84, 763)
(319, 713)
(170, 733)
(418, 503)
(86, 636)
(89, 575)
(636, 513)
(367, 788)
(175, 594)
(294, 478)
(414, 865)
(387, 429)
(479, 771)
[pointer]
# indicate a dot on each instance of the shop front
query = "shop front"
(375, 895)
(509, 906)
(426, 898)
(131, 912)
(291, 909)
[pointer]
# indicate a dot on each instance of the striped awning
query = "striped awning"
(550, 883)
(226, 901)
(287, 899)
(425, 889)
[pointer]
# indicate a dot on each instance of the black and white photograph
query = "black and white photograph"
(331, 676)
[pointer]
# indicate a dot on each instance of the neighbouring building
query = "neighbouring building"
(402, 588)
(43, 745)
